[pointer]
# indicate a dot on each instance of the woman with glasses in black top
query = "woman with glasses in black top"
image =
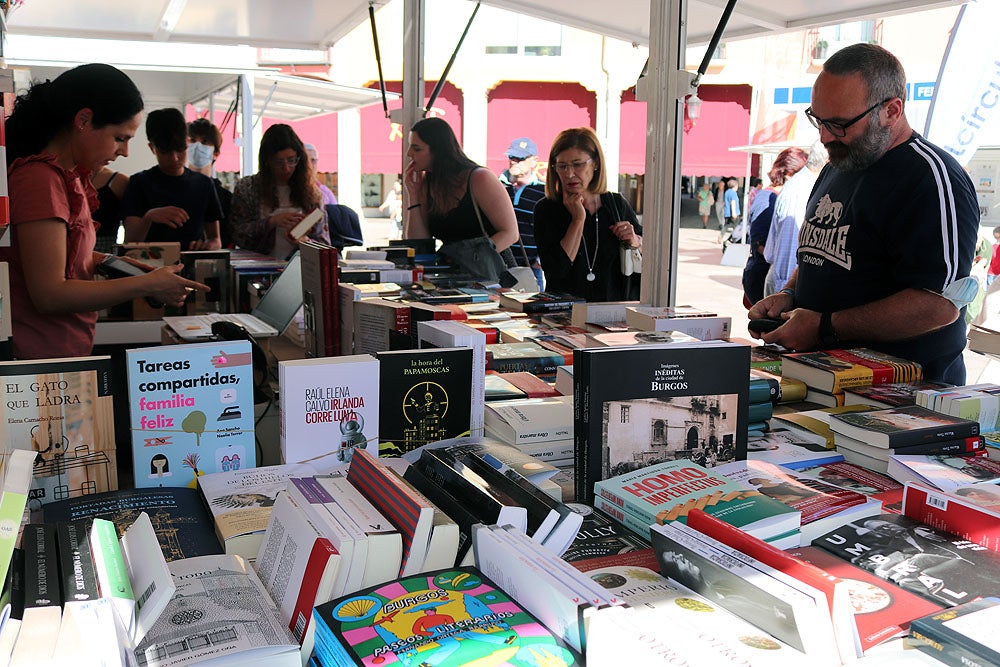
(580, 227)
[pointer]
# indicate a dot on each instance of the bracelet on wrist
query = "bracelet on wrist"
(410, 208)
(790, 291)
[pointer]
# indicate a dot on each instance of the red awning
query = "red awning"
(724, 122)
(538, 110)
(382, 149)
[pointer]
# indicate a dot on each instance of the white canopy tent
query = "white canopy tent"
(666, 26)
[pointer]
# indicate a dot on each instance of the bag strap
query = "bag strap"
(475, 204)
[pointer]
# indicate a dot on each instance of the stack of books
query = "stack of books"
(827, 373)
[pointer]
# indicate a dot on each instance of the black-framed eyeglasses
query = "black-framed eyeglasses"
(837, 128)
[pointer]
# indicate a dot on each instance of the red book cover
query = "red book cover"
(566, 352)
(491, 332)
(456, 312)
(403, 320)
(322, 552)
(531, 384)
(953, 513)
(882, 610)
(410, 513)
(331, 303)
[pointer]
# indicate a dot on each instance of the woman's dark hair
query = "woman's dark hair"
(788, 162)
(586, 140)
(450, 163)
(304, 191)
(49, 107)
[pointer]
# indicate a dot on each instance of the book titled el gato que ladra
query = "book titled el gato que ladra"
(639, 405)
(191, 411)
(63, 409)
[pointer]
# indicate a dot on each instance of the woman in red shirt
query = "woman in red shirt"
(60, 132)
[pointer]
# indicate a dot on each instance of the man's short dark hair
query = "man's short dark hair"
(167, 130)
(204, 131)
(881, 70)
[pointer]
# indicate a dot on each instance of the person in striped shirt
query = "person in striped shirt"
(525, 190)
(889, 232)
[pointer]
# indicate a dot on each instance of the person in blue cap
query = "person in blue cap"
(525, 191)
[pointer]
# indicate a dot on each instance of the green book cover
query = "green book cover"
(667, 491)
(15, 471)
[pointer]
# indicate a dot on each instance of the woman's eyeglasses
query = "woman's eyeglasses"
(567, 167)
(288, 161)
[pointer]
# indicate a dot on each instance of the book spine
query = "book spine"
(15, 586)
(390, 497)
(764, 390)
(586, 454)
(76, 561)
(359, 277)
(952, 648)
(624, 504)
(321, 553)
(41, 566)
(112, 575)
(536, 365)
(625, 518)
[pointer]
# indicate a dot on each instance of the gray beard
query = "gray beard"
(862, 152)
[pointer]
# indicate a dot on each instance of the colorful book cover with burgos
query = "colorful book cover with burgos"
(448, 617)
(190, 411)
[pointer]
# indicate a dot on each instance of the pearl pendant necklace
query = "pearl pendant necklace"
(597, 244)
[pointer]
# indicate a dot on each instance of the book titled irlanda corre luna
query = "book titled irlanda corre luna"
(640, 405)
(191, 411)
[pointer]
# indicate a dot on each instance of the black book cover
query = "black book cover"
(180, 519)
(14, 588)
(636, 406)
(600, 536)
(41, 566)
(939, 566)
(481, 499)
(76, 562)
(425, 396)
(448, 504)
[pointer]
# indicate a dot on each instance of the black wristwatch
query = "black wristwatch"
(828, 338)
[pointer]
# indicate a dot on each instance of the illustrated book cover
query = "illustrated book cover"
(63, 409)
(833, 371)
(641, 405)
(666, 492)
(425, 396)
(191, 411)
(241, 500)
(329, 407)
(939, 566)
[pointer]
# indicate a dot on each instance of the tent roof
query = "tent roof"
(317, 24)
(287, 97)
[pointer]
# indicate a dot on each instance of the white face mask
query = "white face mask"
(200, 155)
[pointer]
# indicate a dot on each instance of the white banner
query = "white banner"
(967, 95)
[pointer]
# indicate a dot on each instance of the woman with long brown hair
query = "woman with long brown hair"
(268, 204)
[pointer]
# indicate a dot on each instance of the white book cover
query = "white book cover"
(328, 404)
(241, 502)
(242, 624)
(793, 616)
(297, 565)
(530, 420)
(550, 600)
(385, 544)
(147, 572)
(700, 324)
(449, 333)
(336, 527)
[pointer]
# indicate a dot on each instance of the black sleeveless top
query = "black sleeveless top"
(108, 213)
(460, 222)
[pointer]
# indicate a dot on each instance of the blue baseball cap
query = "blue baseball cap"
(522, 147)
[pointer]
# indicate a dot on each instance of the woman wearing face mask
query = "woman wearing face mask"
(204, 146)
(268, 204)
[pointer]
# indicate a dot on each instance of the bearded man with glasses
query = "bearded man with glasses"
(890, 229)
